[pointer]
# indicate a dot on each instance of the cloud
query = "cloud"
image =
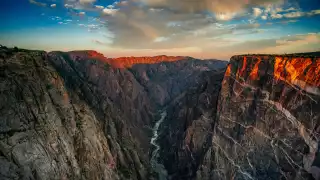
(38, 3)
(69, 6)
(296, 14)
(53, 5)
(99, 7)
(176, 24)
(108, 11)
(82, 13)
(158, 25)
(110, 6)
(115, 52)
(56, 18)
(316, 11)
(91, 27)
(298, 43)
(100, 42)
(215, 6)
(299, 39)
(288, 21)
(274, 12)
(276, 16)
(285, 44)
(224, 16)
(161, 39)
(87, 1)
(246, 26)
(257, 12)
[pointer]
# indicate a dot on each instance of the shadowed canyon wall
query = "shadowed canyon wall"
(75, 116)
(80, 115)
(268, 115)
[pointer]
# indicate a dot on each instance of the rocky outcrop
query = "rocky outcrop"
(119, 102)
(268, 119)
(126, 62)
(65, 117)
(46, 132)
(76, 115)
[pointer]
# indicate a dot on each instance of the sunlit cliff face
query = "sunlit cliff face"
(301, 72)
(228, 71)
(255, 70)
(296, 71)
(127, 62)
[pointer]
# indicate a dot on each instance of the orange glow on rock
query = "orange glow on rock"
(293, 70)
(244, 65)
(228, 71)
(127, 62)
(313, 74)
(254, 73)
(302, 72)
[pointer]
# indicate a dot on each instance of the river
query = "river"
(158, 167)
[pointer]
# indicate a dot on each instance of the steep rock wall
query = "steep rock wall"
(46, 132)
(187, 129)
(268, 119)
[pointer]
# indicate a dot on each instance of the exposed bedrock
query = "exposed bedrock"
(79, 115)
(268, 118)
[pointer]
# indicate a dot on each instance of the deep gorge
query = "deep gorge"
(79, 115)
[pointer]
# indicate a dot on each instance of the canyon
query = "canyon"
(81, 115)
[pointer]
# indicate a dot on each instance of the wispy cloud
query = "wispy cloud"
(108, 11)
(99, 7)
(86, 1)
(274, 12)
(285, 44)
(38, 3)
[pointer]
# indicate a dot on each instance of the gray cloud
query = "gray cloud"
(142, 25)
(179, 22)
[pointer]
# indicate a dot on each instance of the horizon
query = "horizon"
(152, 56)
(206, 29)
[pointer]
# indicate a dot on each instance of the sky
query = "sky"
(199, 28)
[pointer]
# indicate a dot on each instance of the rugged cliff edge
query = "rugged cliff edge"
(47, 132)
(80, 115)
(268, 118)
(76, 115)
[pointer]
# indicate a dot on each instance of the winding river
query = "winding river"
(158, 167)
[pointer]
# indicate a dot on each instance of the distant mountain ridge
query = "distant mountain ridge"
(126, 62)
